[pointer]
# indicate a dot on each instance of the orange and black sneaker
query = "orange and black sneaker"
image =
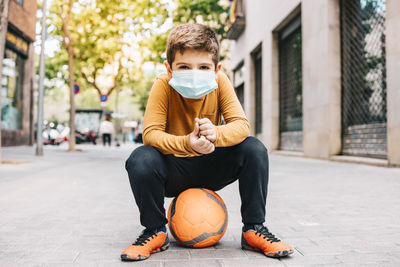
(149, 241)
(258, 238)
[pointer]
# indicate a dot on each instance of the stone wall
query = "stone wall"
(291, 141)
(366, 140)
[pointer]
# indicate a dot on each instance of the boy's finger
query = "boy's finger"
(210, 148)
(204, 148)
(206, 126)
(204, 120)
(196, 129)
(202, 141)
(211, 137)
(206, 132)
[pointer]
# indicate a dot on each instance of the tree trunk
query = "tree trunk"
(69, 46)
(71, 99)
(3, 31)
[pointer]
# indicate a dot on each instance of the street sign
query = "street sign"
(103, 98)
(77, 88)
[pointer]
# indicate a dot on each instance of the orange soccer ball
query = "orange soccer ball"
(197, 218)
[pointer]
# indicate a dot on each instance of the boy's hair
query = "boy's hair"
(192, 36)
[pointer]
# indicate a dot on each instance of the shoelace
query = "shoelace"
(266, 234)
(144, 237)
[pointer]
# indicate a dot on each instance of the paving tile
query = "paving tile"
(216, 254)
(367, 258)
(315, 260)
(170, 255)
(252, 262)
(193, 263)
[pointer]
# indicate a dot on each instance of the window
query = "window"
(21, 2)
(238, 82)
(258, 90)
(11, 90)
(290, 87)
(364, 112)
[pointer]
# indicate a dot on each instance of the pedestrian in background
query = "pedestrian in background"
(106, 130)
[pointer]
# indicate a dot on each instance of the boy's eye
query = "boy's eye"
(204, 67)
(183, 67)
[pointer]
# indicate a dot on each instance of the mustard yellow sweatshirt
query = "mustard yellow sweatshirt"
(170, 118)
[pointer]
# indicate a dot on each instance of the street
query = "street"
(77, 208)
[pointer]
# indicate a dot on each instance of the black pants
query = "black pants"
(106, 139)
(154, 176)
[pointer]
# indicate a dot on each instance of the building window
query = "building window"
(238, 82)
(21, 2)
(11, 90)
(290, 87)
(364, 111)
(258, 90)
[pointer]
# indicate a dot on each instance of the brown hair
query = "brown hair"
(192, 36)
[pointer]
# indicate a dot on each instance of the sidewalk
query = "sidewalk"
(77, 209)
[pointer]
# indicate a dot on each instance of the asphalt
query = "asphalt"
(77, 209)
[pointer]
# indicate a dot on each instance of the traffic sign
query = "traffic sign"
(103, 98)
(77, 88)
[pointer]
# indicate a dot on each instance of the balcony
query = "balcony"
(236, 20)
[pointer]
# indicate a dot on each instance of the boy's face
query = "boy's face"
(192, 59)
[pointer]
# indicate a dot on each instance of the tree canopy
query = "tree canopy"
(113, 39)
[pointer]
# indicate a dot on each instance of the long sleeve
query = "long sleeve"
(237, 126)
(155, 123)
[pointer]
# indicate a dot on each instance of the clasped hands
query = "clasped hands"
(203, 136)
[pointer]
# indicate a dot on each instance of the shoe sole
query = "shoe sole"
(124, 257)
(277, 254)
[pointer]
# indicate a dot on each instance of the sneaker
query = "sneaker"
(149, 241)
(258, 238)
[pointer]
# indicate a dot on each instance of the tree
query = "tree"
(104, 34)
(98, 38)
(212, 13)
(68, 44)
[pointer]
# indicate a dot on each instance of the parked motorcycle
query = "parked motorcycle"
(55, 136)
(85, 136)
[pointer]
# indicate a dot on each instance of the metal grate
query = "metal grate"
(290, 87)
(363, 77)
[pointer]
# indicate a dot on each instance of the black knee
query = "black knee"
(144, 163)
(253, 149)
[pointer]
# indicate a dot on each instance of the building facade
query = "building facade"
(18, 74)
(318, 77)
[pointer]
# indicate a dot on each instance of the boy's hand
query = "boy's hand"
(207, 129)
(200, 144)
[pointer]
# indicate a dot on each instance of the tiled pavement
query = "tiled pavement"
(76, 209)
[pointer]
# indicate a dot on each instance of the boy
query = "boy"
(185, 145)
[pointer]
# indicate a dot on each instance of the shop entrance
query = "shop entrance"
(363, 78)
(290, 87)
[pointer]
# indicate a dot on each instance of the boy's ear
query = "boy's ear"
(168, 67)
(219, 66)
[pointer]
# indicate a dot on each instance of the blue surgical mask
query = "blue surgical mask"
(193, 83)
